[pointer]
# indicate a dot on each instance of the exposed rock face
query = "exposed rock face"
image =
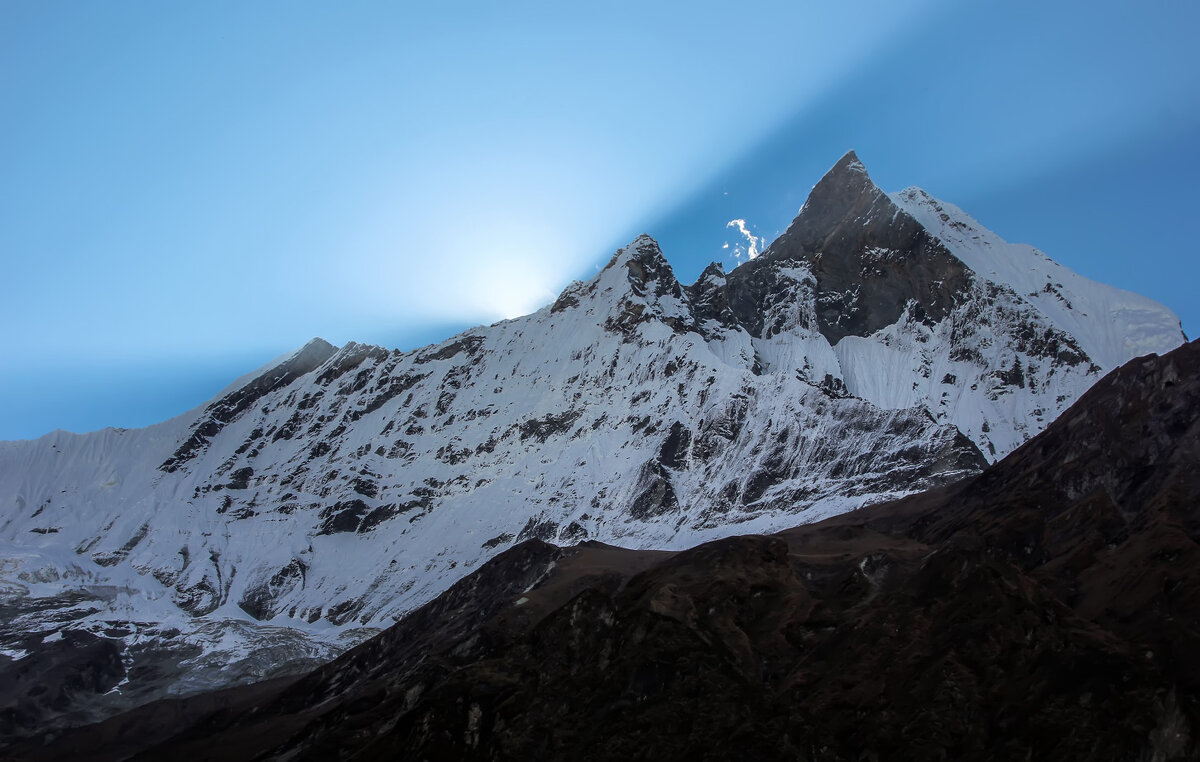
(869, 260)
(232, 405)
(1048, 608)
(860, 358)
(63, 672)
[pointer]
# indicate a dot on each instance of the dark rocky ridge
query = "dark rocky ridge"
(1048, 609)
(310, 357)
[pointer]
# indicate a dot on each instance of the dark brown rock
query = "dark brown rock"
(870, 261)
(55, 676)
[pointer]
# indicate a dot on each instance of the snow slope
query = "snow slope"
(1110, 324)
(868, 353)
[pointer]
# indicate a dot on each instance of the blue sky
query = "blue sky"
(189, 190)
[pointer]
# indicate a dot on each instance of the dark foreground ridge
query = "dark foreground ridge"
(1046, 609)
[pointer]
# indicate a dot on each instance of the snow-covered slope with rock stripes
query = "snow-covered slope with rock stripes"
(883, 345)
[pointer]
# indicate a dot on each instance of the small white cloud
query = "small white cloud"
(753, 240)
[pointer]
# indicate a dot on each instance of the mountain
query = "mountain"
(884, 345)
(1048, 608)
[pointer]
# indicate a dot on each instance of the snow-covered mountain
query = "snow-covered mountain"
(881, 346)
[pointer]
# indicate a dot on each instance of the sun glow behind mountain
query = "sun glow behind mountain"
(230, 180)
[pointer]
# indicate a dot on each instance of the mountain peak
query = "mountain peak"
(649, 289)
(869, 259)
(246, 393)
(844, 194)
(317, 344)
(641, 249)
(842, 188)
(644, 249)
(849, 163)
(715, 272)
(636, 285)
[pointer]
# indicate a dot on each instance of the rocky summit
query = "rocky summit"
(884, 345)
